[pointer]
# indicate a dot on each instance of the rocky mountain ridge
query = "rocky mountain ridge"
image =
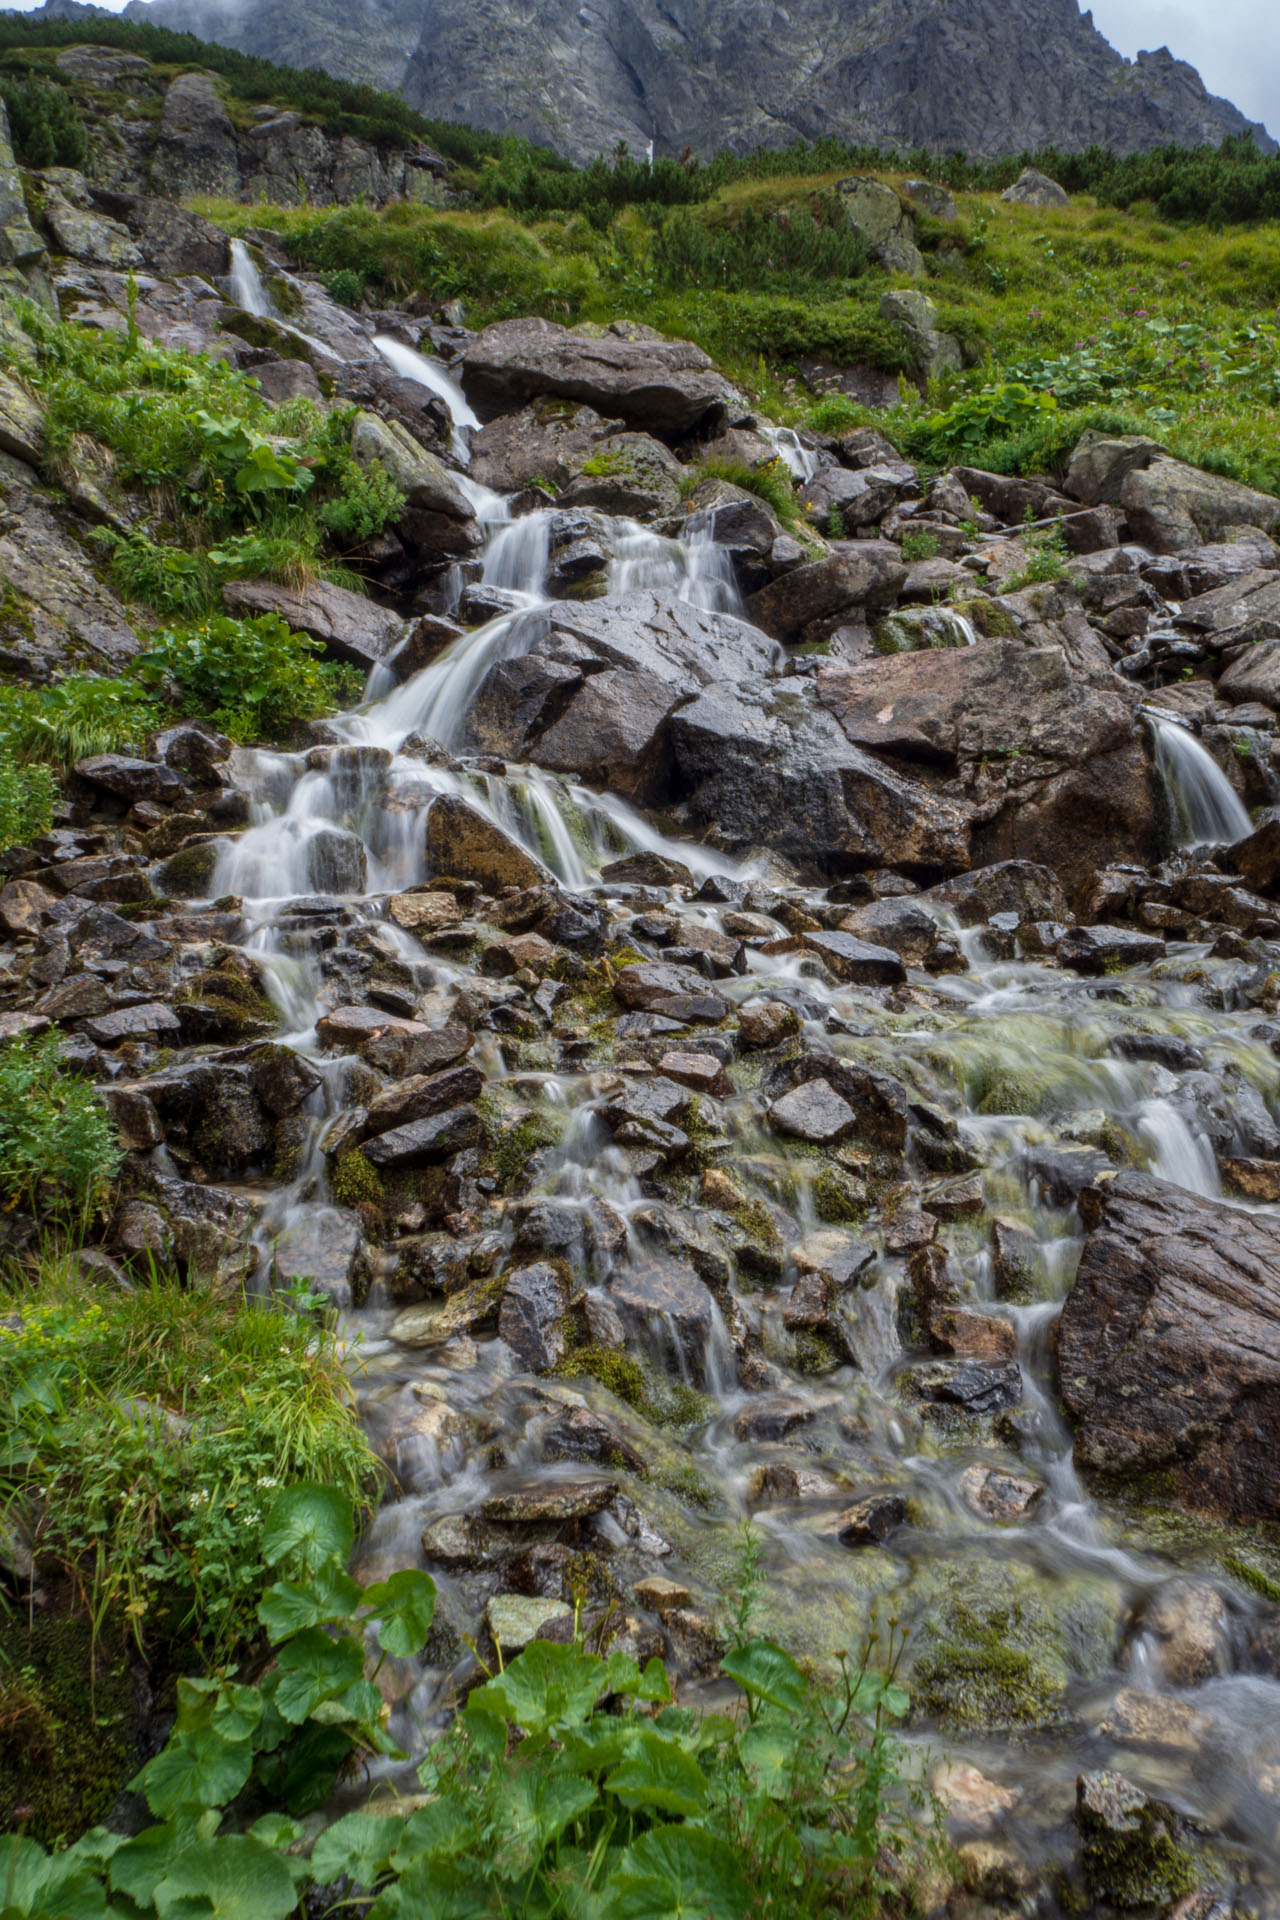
(714, 74)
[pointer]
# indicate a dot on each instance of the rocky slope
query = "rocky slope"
(737, 1163)
(978, 76)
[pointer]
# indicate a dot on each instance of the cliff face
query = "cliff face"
(582, 74)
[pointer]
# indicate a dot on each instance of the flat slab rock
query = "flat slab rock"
(1169, 1350)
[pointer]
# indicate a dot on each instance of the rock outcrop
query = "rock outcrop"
(1169, 1349)
(735, 74)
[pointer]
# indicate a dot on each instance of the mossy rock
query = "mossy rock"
(1000, 1645)
(189, 872)
(70, 1721)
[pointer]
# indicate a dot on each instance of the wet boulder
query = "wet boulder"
(591, 691)
(808, 603)
(630, 475)
(466, 845)
(549, 441)
(1008, 886)
(1169, 1345)
(668, 1304)
(1171, 506)
(657, 385)
(348, 625)
(1132, 1853)
(1053, 757)
(531, 1317)
(764, 765)
(815, 1112)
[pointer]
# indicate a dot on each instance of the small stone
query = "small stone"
(978, 1389)
(870, 1521)
(424, 912)
(810, 1303)
(580, 1434)
(549, 1501)
(909, 1230)
(453, 1541)
(997, 1495)
(767, 1024)
(813, 1112)
(772, 1419)
(781, 1482)
(1189, 1621)
(983, 1335)
(957, 1199)
(1096, 950)
(24, 905)
(505, 957)
(857, 961)
(661, 1596)
(701, 1071)
(1153, 1720)
(970, 1795)
(150, 1022)
(421, 1142)
(514, 1620)
(1257, 1180)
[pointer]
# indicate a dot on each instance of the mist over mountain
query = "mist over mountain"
(580, 75)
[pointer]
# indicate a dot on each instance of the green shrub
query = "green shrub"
(759, 252)
(771, 483)
(145, 1435)
(27, 795)
(254, 679)
(569, 1782)
(58, 1149)
(346, 286)
(47, 131)
(81, 714)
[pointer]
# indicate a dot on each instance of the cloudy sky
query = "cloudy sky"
(1234, 43)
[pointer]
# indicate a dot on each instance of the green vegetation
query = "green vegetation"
(144, 1435)
(567, 1774)
(47, 131)
(58, 1152)
(336, 105)
(27, 796)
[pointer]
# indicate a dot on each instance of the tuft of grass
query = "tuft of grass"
(144, 1433)
(58, 1148)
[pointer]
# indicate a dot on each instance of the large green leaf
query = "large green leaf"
(763, 1669)
(625, 1676)
(290, 1606)
(442, 1830)
(313, 1668)
(195, 1770)
(312, 1521)
(142, 1863)
(659, 1773)
(548, 1685)
(677, 1873)
(236, 1712)
(406, 1606)
(304, 1771)
(426, 1891)
(358, 1847)
(33, 1883)
(536, 1809)
(231, 1878)
(768, 1752)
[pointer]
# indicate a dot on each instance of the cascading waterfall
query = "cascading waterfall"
(801, 462)
(1018, 1052)
(1206, 809)
(411, 365)
(248, 288)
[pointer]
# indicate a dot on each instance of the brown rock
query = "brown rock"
(1169, 1345)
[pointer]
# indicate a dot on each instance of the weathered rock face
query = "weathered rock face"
(1051, 760)
(1035, 189)
(739, 75)
(175, 136)
(1169, 1354)
(661, 386)
(764, 767)
(1171, 506)
(592, 692)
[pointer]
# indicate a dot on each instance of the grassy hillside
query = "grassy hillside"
(1069, 317)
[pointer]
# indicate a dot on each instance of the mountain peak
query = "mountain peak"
(582, 75)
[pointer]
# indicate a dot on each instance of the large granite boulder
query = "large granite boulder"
(660, 386)
(349, 626)
(1051, 760)
(550, 440)
(1169, 1348)
(1035, 189)
(1171, 506)
(766, 766)
(590, 691)
(809, 603)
